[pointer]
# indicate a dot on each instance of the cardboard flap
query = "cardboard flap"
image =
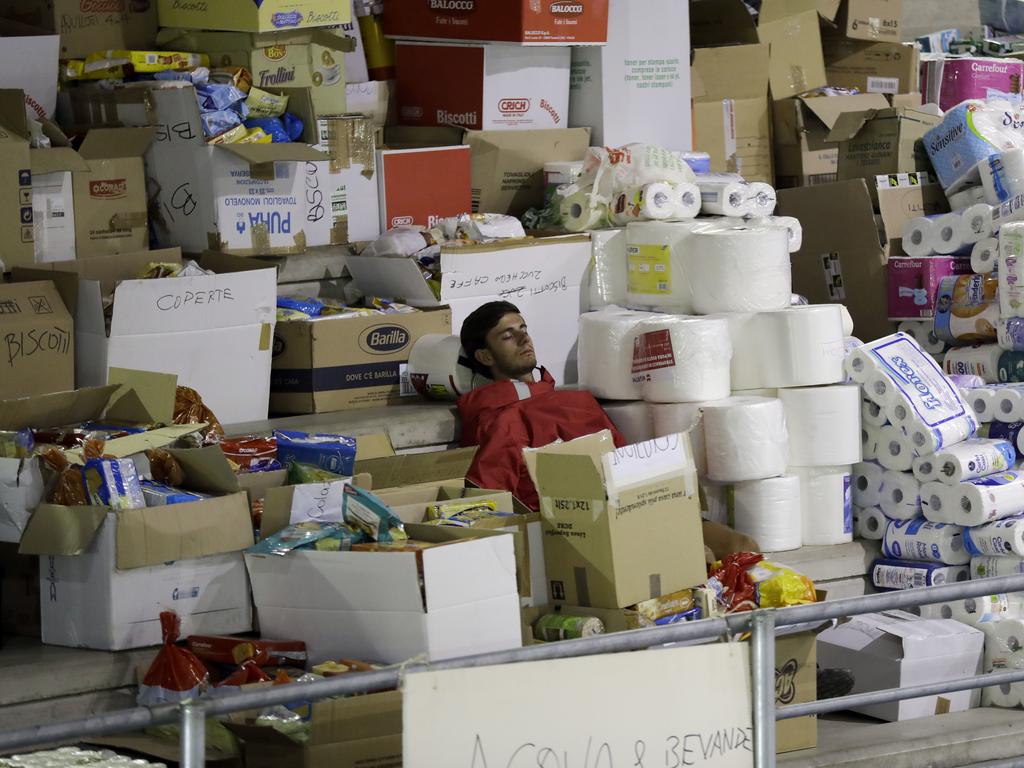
(568, 477)
(56, 159)
(206, 469)
(374, 446)
(490, 559)
(109, 143)
(65, 282)
(145, 397)
(31, 303)
(123, 447)
(12, 112)
(277, 503)
(416, 468)
(257, 154)
(819, 203)
(58, 530)
(848, 124)
(721, 22)
(326, 39)
(55, 410)
(773, 10)
(828, 109)
(156, 535)
(108, 271)
(735, 72)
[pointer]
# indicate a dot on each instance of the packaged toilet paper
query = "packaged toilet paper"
(969, 133)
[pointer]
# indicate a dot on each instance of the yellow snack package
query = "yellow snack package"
(74, 69)
(779, 586)
(146, 61)
(264, 104)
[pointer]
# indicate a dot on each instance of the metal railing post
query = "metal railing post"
(193, 735)
(762, 663)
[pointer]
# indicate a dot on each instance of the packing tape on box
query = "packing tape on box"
(605, 353)
(920, 539)
(868, 484)
(351, 142)
(985, 255)
(745, 439)
(439, 368)
(739, 270)
(901, 496)
(634, 420)
(823, 424)
(869, 523)
(682, 359)
(826, 504)
(965, 461)
(769, 511)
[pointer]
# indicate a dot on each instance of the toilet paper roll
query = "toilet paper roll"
(966, 310)
(1009, 403)
(578, 214)
(983, 567)
(439, 368)
(1004, 651)
(868, 484)
(901, 496)
(762, 199)
(970, 382)
(606, 353)
(651, 202)
(1010, 334)
(965, 461)
(870, 438)
(687, 200)
(919, 237)
(745, 372)
(826, 504)
(895, 451)
(926, 440)
(760, 392)
(965, 198)
(633, 420)
(792, 227)
(769, 511)
(607, 274)
(974, 611)
(908, 574)
(800, 346)
(1010, 270)
(682, 359)
(1013, 433)
(746, 439)
(1002, 538)
(871, 413)
(976, 223)
(994, 497)
(673, 418)
(869, 523)
(656, 276)
(920, 539)
(848, 323)
(724, 196)
(1002, 176)
(979, 360)
(823, 424)
(940, 503)
(745, 269)
(923, 332)
(983, 401)
(949, 233)
(849, 344)
(984, 255)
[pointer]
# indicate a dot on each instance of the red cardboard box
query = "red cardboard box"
(420, 186)
(552, 22)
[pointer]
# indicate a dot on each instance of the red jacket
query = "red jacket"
(507, 416)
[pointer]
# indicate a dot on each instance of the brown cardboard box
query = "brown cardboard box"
(16, 247)
(38, 352)
(87, 26)
(110, 198)
(731, 115)
(796, 682)
(871, 67)
(803, 154)
(795, 62)
(347, 362)
(720, 22)
(871, 20)
(881, 141)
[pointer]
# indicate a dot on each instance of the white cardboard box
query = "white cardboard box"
(368, 605)
(546, 278)
(637, 87)
(896, 649)
(53, 202)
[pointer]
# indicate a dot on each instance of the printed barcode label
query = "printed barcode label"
(833, 276)
(891, 180)
(405, 387)
(883, 85)
(339, 204)
(662, 286)
(919, 579)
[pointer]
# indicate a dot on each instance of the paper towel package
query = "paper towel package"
(969, 133)
(947, 82)
(883, 648)
(913, 283)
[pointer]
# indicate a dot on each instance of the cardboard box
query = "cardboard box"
(156, 324)
(716, 23)
(599, 506)
(547, 282)
(341, 191)
(895, 649)
(19, 593)
(905, 201)
(105, 576)
(795, 62)
(507, 167)
(731, 115)
(484, 87)
(947, 82)
(339, 363)
(517, 21)
(871, 67)
(638, 84)
(86, 27)
(370, 605)
(872, 20)
(881, 141)
(16, 247)
(796, 682)
(913, 283)
(803, 154)
(306, 58)
(38, 352)
(53, 202)
(111, 212)
(247, 16)
(351, 732)
(29, 62)
(371, 99)
(421, 186)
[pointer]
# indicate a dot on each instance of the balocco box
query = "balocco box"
(538, 22)
(484, 87)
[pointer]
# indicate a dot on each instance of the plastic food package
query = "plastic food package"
(264, 104)
(282, 129)
(293, 537)
(745, 580)
(215, 96)
(190, 409)
(165, 468)
(335, 453)
(248, 673)
(779, 586)
(363, 510)
(312, 307)
(69, 490)
(244, 451)
(301, 474)
(113, 483)
(176, 674)
(221, 649)
(159, 494)
(145, 61)
(17, 445)
(342, 538)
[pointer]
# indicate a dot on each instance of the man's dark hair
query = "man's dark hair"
(476, 327)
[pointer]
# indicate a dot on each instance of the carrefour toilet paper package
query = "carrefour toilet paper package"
(969, 133)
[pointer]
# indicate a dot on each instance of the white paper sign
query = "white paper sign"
(666, 709)
(651, 460)
(317, 502)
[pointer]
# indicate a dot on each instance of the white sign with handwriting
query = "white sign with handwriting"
(647, 462)
(650, 709)
(318, 502)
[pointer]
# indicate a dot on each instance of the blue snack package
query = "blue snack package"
(309, 305)
(214, 96)
(335, 453)
(159, 495)
(113, 483)
(293, 537)
(220, 121)
(293, 125)
(365, 512)
(272, 126)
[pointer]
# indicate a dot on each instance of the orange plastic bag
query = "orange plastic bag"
(175, 674)
(190, 409)
(165, 468)
(69, 490)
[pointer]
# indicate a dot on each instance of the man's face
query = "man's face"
(509, 352)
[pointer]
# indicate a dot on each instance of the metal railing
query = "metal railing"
(761, 625)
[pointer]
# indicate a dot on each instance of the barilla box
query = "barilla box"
(252, 15)
(87, 26)
(16, 247)
(304, 58)
(482, 87)
(947, 82)
(422, 186)
(538, 22)
(914, 282)
(37, 354)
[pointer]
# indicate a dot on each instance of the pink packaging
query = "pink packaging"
(951, 81)
(913, 283)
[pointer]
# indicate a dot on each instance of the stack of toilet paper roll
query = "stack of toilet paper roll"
(439, 368)
(605, 352)
(682, 359)
(948, 234)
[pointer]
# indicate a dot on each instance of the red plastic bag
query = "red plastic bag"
(175, 674)
(737, 590)
(247, 673)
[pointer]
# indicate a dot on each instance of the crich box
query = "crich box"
(486, 87)
(545, 277)
(339, 363)
(913, 283)
(87, 26)
(421, 186)
(38, 350)
(552, 22)
(638, 85)
(252, 15)
(599, 505)
(890, 68)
